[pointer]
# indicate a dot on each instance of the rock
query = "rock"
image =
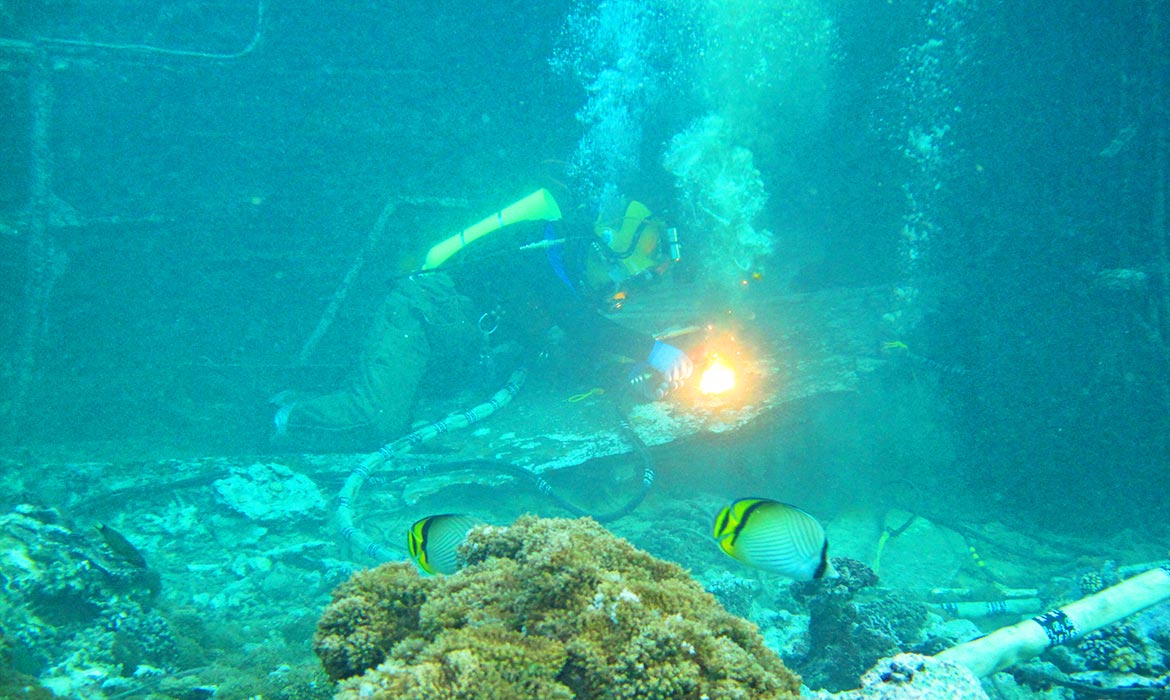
(270, 493)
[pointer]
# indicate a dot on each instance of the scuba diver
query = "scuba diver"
(537, 288)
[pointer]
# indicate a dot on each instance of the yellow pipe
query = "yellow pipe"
(539, 205)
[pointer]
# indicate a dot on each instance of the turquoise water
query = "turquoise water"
(939, 228)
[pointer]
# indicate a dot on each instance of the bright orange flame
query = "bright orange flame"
(718, 378)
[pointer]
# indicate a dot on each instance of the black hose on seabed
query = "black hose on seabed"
(544, 487)
(359, 476)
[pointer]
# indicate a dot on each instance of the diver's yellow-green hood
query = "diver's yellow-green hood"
(633, 247)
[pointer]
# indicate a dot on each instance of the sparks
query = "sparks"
(718, 378)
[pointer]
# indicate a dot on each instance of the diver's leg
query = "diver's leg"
(448, 319)
(376, 405)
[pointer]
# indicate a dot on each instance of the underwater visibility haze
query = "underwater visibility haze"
(584, 349)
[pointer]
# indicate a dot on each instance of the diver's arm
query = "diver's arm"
(588, 328)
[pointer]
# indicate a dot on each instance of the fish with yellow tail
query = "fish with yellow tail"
(433, 541)
(775, 537)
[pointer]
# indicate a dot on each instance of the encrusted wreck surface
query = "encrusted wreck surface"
(791, 348)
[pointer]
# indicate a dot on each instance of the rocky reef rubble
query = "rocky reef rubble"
(847, 632)
(914, 677)
(75, 602)
(212, 593)
(238, 560)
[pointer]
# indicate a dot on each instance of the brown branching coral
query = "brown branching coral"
(370, 613)
(544, 609)
(485, 663)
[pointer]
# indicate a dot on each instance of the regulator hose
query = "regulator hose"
(544, 487)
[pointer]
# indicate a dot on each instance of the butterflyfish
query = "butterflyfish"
(775, 537)
(433, 541)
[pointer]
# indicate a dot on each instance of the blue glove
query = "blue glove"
(672, 363)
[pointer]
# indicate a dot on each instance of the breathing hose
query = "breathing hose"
(358, 477)
(353, 484)
(544, 487)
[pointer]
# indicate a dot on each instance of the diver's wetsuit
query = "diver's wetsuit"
(538, 289)
(427, 330)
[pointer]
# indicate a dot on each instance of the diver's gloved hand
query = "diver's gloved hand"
(672, 363)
